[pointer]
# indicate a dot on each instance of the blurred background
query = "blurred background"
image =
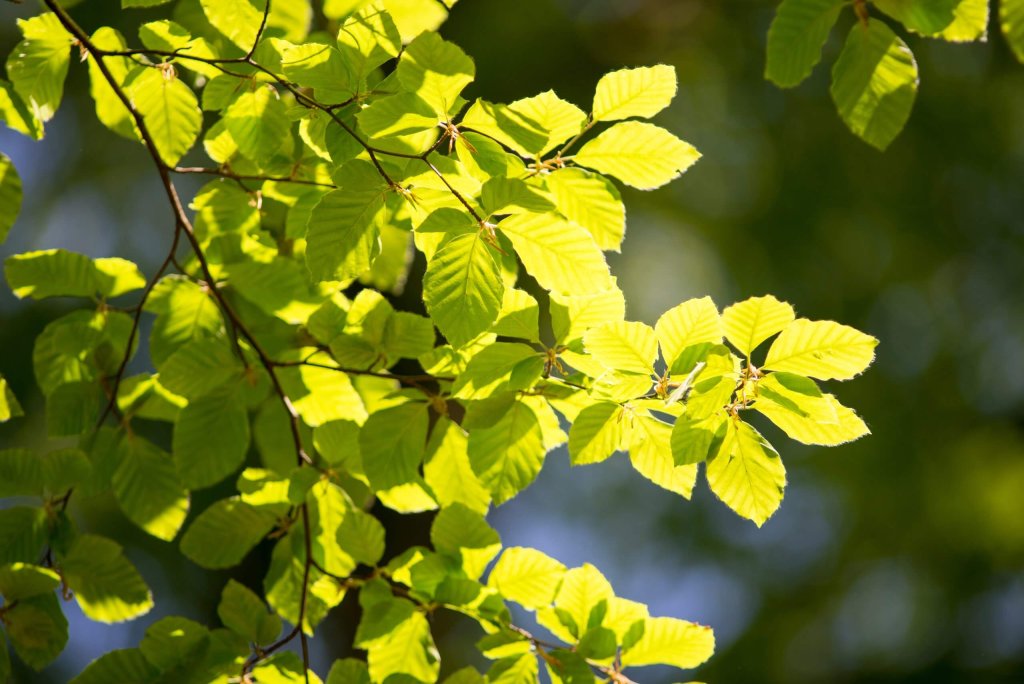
(899, 558)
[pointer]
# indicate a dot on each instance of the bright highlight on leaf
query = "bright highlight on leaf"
(642, 155)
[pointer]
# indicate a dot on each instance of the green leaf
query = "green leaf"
(211, 438)
(110, 110)
(16, 115)
(436, 71)
(527, 576)
(398, 642)
(367, 39)
(623, 346)
(795, 38)
(747, 473)
(750, 322)
(821, 349)
(392, 443)
(512, 196)
(531, 127)
(447, 470)
(225, 532)
(329, 507)
(223, 208)
(794, 413)
(125, 666)
(169, 108)
(652, 455)
(1011, 18)
(23, 531)
(583, 592)
(463, 533)
(175, 644)
(285, 580)
(598, 431)
(37, 629)
(21, 580)
(185, 312)
(518, 317)
(573, 315)
(106, 584)
(401, 114)
(517, 669)
(21, 473)
(9, 406)
(343, 233)
(10, 195)
(462, 288)
(508, 455)
(58, 272)
(148, 490)
(562, 256)
(361, 536)
(669, 641)
(491, 370)
(348, 671)
(321, 67)
(258, 124)
(199, 367)
(694, 322)
(694, 440)
(639, 154)
(953, 20)
(164, 35)
(283, 668)
(642, 92)
(243, 612)
(238, 20)
(38, 64)
(874, 83)
(592, 201)
(321, 395)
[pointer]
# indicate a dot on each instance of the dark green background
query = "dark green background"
(897, 558)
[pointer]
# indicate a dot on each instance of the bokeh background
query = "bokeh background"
(899, 558)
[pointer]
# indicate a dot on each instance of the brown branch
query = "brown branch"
(226, 173)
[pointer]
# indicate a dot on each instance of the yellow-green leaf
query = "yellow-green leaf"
(749, 323)
(846, 426)
(598, 431)
(639, 154)
(821, 349)
(795, 38)
(669, 641)
(105, 583)
(747, 474)
(169, 108)
(626, 93)
(695, 321)
(651, 454)
(1011, 18)
(561, 255)
(462, 288)
(527, 576)
(623, 346)
(592, 201)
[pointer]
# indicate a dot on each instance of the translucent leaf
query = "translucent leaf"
(280, 288)
(518, 317)
(669, 641)
(512, 196)
(258, 124)
(361, 536)
(199, 367)
(583, 590)
(10, 195)
(491, 370)
(799, 424)
(392, 442)
(348, 671)
(185, 311)
(124, 665)
(592, 201)
(321, 395)
(752, 321)
(436, 70)
(462, 288)
(747, 473)
(58, 272)
(598, 431)
(211, 438)
(694, 439)
(37, 629)
(107, 586)
(795, 38)
(284, 668)
(367, 39)
(639, 154)
(329, 507)
(169, 108)
(343, 233)
(695, 321)
(821, 349)
(642, 92)
(225, 532)
(874, 83)
(238, 20)
(38, 64)
(222, 207)
(243, 612)
(1011, 18)
(573, 315)
(623, 346)
(508, 455)
(953, 20)
(462, 533)
(164, 35)
(401, 114)
(148, 490)
(21, 580)
(527, 576)
(284, 581)
(517, 669)
(447, 470)
(23, 531)
(413, 17)
(16, 114)
(562, 256)
(531, 127)
(398, 642)
(652, 456)
(110, 110)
